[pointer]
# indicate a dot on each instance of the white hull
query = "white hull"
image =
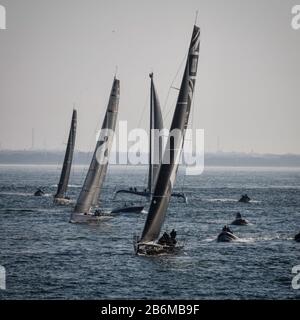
(87, 218)
(62, 201)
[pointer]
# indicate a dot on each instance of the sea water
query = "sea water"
(46, 257)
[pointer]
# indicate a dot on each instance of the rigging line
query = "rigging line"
(91, 146)
(172, 85)
(196, 17)
(139, 125)
(127, 166)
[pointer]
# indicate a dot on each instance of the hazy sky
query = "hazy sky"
(56, 53)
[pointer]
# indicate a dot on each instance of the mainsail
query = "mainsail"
(66, 169)
(96, 174)
(155, 150)
(168, 169)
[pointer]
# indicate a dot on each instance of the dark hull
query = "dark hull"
(39, 194)
(245, 200)
(297, 237)
(240, 222)
(147, 194)
(225, 236)
(133, 209)
(154, 249)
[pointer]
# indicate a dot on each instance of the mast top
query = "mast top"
(151, 75)
(196, 17)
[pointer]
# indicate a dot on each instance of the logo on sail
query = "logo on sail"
(2, 278)
(2, 18)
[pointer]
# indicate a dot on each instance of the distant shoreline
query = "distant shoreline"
(220, 159)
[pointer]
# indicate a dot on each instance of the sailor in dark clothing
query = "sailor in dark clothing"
(244, 198)
(173, 234)
(165, 239)
(173, 237)
(226, 229)
(238, 215)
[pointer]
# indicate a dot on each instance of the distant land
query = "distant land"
(231, 159)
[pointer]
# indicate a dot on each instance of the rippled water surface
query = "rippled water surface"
(47, 257)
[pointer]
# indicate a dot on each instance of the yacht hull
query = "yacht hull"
(62, 201)
(87, 218)
(154, 249)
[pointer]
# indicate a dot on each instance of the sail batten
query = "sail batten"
(66, 169)
(95, 177)
(169, 167)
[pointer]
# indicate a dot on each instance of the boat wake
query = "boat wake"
(220, 200)
(22, 194)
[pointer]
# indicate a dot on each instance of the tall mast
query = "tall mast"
(168, 169)
(150, 136)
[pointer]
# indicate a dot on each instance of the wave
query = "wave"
(69, 186)
(226, 200)
(220, 200)
(23, 194)
(254, 239)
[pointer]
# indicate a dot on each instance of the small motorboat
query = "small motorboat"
(244, 198)
(39, 193)
(226, 235)
(239, 221)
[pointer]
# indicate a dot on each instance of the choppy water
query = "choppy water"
(46, 257)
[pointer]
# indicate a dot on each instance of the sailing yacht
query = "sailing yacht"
(90, 192)
(149, 243)
(60, 196)
(156, 123)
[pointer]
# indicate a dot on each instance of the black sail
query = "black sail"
(66, 169)
(96, 174)
(156, 123)
(168, 169)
